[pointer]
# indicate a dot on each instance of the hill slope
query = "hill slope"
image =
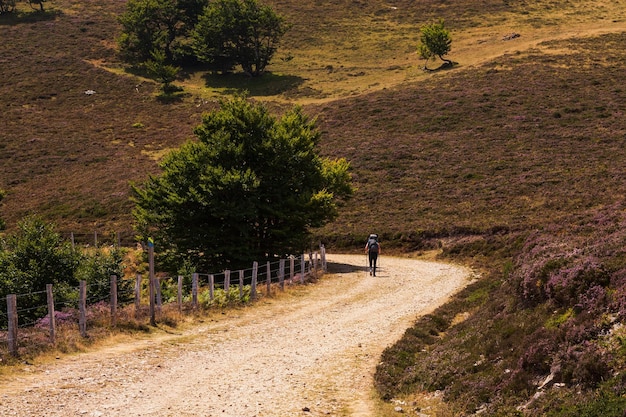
(69, 156)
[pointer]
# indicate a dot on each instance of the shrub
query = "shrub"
(566, 286)
(32, 257)
(96, 268)
(584, 364)
(223, 298)
(36, 255)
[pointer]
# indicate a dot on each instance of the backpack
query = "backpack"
(372, 245)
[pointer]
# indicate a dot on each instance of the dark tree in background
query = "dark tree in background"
(158, 25)
(219, 33)
(7, 6)
(243, 32)
(249, 188)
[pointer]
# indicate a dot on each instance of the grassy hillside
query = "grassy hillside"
(516, 143)
(512, 161)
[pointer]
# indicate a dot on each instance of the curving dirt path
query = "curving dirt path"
(311, 352)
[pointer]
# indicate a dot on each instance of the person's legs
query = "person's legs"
(372, 262)
(374, 259)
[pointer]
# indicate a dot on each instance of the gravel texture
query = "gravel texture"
(309, 352)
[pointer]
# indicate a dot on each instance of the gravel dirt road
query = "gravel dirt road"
(310, 352)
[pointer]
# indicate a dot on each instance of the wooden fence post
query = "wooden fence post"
(72, 239)
(151, 281)
(211, 287)
(292, 268)
(137, 295)
(194, 290)
(179, 295)
(159, 298)
(302, 267)
(12, 318)
(269, 278)
(281, 274)
(227, 281)
(255, 272)
(113, 300)
(323, 255)
(52, 322)
(241, 284)
(82, 308)
(95, 239)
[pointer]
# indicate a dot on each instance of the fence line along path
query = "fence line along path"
(314, 349)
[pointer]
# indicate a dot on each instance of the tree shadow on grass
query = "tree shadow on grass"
(266, 85)
(443, 67)
(33, 16)
(171, 98)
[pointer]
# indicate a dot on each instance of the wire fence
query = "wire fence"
(30, 309)
(125, 238)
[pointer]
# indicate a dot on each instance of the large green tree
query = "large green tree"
(243, 32)
(158, 25)
(249, 188)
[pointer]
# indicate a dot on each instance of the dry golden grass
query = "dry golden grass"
(350, 53)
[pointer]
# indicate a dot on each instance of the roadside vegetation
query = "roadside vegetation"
(511, 161)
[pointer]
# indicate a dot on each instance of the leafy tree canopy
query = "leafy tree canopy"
(158, 25)
(435, 41)
(31, 258)
(7, 6)
(220, 33)
(249, 188)
(243, 32)
(164, 73)
(38, 255)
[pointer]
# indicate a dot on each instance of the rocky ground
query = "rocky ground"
(311, 352)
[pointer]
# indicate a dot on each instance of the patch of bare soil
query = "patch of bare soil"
(312, 352)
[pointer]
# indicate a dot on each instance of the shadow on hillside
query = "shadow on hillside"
(443, 67)
(34, 16)
(268, 84)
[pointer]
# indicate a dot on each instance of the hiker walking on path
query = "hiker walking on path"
(372, 248)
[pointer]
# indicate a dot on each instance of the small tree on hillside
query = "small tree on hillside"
(243, 32)
(162, 72)
(249, 188)
(435, 41)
